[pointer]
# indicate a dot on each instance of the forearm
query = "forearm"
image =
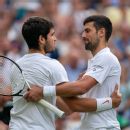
(69, 89)
(91, 105)
(81, 104)
(75, 88)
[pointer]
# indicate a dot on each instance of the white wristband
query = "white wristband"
(49, 91)
(104, 104)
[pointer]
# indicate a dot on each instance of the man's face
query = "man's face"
(90, 37)
(50, 42)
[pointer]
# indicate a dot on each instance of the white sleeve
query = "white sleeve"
(99, 71)
(59, 73)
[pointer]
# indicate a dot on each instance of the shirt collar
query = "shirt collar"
(36, 54)
(106, 49)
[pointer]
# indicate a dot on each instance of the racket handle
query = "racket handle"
(53, 108)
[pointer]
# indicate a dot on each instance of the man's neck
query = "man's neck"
(36, 51)
(99, 48)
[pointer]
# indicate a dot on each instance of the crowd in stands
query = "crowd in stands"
(67, 16)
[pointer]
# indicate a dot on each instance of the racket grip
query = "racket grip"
(53, 108)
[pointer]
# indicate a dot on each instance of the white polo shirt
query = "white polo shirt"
(40, 70)
(105, 68)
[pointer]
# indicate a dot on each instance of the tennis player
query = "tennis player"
(38, 69)
(101, 76)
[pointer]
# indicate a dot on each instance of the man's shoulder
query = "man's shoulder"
(107, 58)
(53, 61)
(113, 61)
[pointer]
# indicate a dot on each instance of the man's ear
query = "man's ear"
(101, 32)
(41, 42)
(41, 39)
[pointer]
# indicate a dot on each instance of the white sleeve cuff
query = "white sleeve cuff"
(49, 91)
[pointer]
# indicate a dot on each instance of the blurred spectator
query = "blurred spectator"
(75, 62)
(4, 43)
(6, 19)
(123, 40)
(73, 65)
(50, 8)
(123, 110)
(81, 9)
(119, 14)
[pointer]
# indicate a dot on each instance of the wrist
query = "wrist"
(104, 104)
(49, 91)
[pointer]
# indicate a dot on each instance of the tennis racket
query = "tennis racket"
(13, 83)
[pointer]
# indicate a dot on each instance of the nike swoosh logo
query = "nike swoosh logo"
(107, 101)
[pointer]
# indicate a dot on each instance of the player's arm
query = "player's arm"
(78, 87)
(76, 104)
(67, 89)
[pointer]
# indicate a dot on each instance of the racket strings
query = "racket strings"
(11, 80)
(4, 77)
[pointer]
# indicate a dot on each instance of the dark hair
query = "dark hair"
(33, 27)
(100, 21)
